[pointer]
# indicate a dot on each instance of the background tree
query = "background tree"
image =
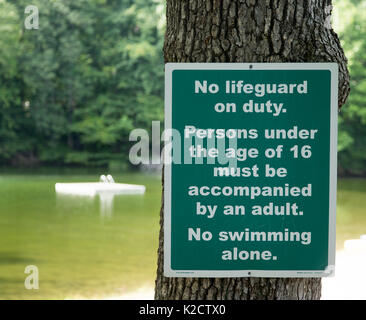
(248, 31)
(73, 89)
(14, 120)
(351, 19)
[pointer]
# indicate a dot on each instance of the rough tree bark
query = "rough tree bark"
(248, 31)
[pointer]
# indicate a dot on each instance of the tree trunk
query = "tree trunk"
(248, 31)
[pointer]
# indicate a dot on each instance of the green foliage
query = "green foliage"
(71, 91)
(78, 85)
(13, 116)
(352, 119)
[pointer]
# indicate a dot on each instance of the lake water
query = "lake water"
(82, 251)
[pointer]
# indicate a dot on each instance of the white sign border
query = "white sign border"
(330, 269)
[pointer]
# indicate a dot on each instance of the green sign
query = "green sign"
(250, 178)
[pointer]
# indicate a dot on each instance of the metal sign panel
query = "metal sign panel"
(250, 186)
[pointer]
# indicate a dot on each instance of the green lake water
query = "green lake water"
(82, 252)
(78, 251)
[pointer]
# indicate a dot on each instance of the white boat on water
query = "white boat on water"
(105, 186)
(105, 190)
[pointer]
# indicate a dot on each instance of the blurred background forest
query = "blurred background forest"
(72, 91)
